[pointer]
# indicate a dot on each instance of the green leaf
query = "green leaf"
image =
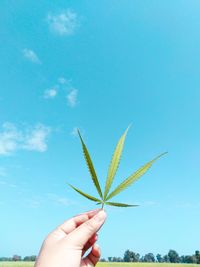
(136, 175)
(84, 194)
(120, 204)
(114, 164)
(90, 166)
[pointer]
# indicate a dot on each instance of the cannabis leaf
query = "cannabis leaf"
(131, 179)
(90, 166)
(85, 195)
(114, 164)
(119, 204)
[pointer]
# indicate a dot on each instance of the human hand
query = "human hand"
(67, 244)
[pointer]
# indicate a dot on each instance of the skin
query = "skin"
(67, 244)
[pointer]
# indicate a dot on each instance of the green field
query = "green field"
(107, 264)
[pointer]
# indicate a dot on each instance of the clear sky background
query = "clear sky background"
(99, 66)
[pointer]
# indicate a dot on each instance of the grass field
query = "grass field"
(107, 264)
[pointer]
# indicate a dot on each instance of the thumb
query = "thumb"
(80, 236)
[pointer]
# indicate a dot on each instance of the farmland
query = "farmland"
(107, 264)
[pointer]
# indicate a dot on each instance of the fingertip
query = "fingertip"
(89, 212)
(96, 251)
(100, 217)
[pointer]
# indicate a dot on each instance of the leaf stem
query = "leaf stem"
(102, 205)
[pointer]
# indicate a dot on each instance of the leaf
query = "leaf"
(85, 195)
(136, 175)
(90, 166)
(120, 204)
(114, 164)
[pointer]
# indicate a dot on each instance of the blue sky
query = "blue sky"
(100, 66)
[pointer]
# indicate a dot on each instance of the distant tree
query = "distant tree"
(114, 259)
(103, 260)
(127, 256)
(4, 259)
(137, 257)
(142, 259)
(30, 258)
(159, 258)
(166, 258)
(189, 259)
(197, 256)
(182, 259)
(149, 257)
(173, 256)
(130, 256)
(16, 258)
(110, 259)
(117, 259)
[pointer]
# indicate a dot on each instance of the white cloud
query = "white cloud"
(9, 139)
(63, 23)
(36, 138)
(50, 93)
(31, 56)
(32, 138)
(72, 98)
(60, 87)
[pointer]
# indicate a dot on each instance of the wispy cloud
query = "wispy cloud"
(63, 86)
(7, 183)
(62, 80)
(72, 98)
(33, 202)
(63, 23)
(31, 56)
(30, 138)
(59, 200)
(150, 203)
(186, 205)
(50, 93)
(74, 132)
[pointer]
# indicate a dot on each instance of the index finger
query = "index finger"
(71, 224)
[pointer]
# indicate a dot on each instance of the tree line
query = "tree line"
(171, 257)
(18, 258)
(129, 256)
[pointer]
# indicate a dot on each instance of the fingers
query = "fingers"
(93, 257)
(90, 243)
(80, 236)
(71, 224)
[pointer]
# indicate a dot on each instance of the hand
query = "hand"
(67, 244)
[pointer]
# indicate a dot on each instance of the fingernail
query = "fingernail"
(90, 212)
(97, 246)
(100, 216)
